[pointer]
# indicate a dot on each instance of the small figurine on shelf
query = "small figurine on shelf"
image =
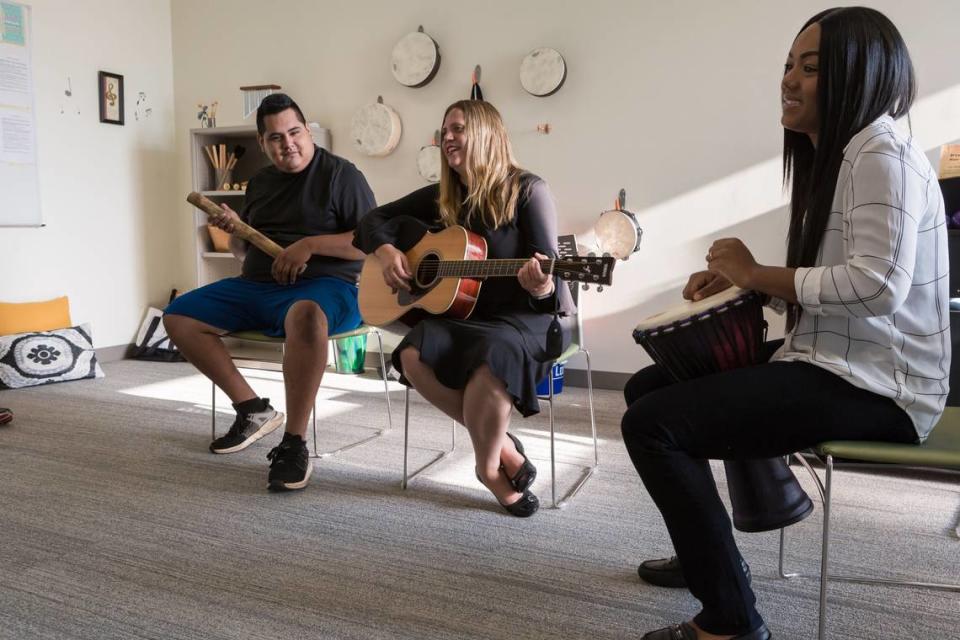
(207, 114)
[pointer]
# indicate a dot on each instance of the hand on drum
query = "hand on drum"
(730, 258)
(291, 262)
(703, 284)
(225, 219)
(533, 279)
(396, 271)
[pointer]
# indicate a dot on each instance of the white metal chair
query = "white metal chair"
(940, 451)
(362, 330)
(576, 347)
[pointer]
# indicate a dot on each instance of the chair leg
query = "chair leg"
(825, 549)
(407, 477)
(313, 420)
(587, 471)
(386, 382)
(213, 412)
(593, 420)
(406, 433)
(379, 432)
(553, 452)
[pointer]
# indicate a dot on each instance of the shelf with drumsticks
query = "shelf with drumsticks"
(223, 164)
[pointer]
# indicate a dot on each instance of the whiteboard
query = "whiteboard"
(19, 186)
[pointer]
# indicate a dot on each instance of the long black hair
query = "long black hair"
(864, 72)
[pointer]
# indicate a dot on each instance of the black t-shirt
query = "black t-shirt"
(329, 196)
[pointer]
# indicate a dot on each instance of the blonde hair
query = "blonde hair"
(490, 171)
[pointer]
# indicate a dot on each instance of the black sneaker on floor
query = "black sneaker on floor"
(247, 429)
(290, 465)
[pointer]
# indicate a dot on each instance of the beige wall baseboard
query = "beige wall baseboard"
(114, 353)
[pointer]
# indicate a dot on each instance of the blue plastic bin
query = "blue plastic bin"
(556, 374)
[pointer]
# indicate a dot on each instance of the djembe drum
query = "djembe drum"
(722, 332)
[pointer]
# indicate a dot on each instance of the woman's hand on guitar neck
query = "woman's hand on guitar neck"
(396, 270)
(532, 278)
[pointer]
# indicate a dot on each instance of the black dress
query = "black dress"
(507, 329)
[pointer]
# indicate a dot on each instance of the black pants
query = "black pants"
(671, 429)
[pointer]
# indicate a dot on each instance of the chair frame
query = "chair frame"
(587, 471)
(313, 414)
(442, 455)
(824, 488)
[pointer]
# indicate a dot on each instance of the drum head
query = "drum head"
(375, 129)
(689, 309)
(617, 234)
(543, 72)
(428, 163)
(415, 59)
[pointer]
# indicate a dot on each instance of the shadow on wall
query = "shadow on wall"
(612, 328)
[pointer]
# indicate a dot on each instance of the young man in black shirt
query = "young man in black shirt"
(309, 201)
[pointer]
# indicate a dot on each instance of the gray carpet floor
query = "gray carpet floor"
(117, 523)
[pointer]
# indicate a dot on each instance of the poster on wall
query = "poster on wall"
(19, 186)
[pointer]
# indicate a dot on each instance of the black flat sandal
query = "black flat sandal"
(524, 477)
(527, 505)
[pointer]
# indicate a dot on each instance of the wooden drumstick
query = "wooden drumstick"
(240, 229)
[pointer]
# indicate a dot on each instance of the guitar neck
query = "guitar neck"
(489, 268)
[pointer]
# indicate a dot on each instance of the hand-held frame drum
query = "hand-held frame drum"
(722, 332)
(240, 229)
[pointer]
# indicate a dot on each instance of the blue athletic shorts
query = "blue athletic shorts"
(236, 304)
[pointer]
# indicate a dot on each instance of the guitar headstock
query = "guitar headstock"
(596, 270)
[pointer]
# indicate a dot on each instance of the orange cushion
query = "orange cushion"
(24, 317)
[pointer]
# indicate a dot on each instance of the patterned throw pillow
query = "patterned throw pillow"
(29, 359)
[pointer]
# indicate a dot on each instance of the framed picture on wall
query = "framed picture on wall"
(111, 97)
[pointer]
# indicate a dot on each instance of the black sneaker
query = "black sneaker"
(290, 465)
(247, 429)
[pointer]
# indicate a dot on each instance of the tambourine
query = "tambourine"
(543, 72)
(618, 232)
(375, 129)
(428, 160)
(416, 59)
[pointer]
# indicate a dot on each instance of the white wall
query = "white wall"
(677, 102)
(106, 190)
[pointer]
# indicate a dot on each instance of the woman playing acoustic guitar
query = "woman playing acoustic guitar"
(475, 369)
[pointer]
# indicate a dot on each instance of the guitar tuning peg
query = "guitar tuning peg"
(586, 287)
(592, 254)
(625, 258)
(599, 288)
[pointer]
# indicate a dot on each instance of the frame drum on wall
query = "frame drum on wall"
(416, 59)
(428, 160)
(375, 129)
(542, 72)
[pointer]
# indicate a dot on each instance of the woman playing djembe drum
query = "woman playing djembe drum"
(866, 355)
(477, 369)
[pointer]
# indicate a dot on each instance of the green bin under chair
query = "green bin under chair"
(351, 354)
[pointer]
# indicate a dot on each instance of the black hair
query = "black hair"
(275, 103)
(864, 72)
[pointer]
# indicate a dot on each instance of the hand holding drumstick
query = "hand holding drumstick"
(227, 219)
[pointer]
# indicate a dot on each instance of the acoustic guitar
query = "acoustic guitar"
(448, 268)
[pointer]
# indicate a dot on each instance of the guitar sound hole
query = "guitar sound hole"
(426, 275)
